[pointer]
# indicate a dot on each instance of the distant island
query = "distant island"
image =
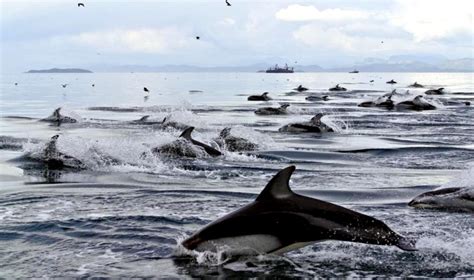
(59, 70)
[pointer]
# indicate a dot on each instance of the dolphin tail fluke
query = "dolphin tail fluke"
(187, 133)
(407, 244)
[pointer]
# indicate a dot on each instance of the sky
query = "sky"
(330, 33)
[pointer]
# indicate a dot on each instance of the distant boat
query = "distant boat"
(354, 72)
(277, 69)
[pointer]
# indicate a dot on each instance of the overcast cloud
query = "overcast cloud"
(38, 34)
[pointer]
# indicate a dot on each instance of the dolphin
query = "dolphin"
(384, 101)
(273, 111)
(233, 143)
(417, 104)
(55, 159)
(279, 221)
(338, 88)
(416, 85)
(300, 88)
(263, 97)
(209, 150)
(435, 91)
(455, 199)
(58, 118)
(317, 98)
(314, 125)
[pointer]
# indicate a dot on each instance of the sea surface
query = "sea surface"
(125, 211)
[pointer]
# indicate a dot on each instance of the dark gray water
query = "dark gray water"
(124, 213)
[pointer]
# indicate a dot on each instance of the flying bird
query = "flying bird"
(227, 2)
(145, 89)
(93, 85)
(64, 85)
(16, 84)
(371, 81)
(197, 37)
(80, 4)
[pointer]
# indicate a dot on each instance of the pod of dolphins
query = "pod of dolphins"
(280, 220)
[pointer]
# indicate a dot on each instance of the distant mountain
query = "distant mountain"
(401, 63)
(59, 70)
(405, 64)
(458, 65)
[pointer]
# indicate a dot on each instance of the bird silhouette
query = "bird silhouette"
(80, 4)
(93, 85)
(371, 81)
(64, 85)
(227, 2)
(197, 37)
(145, 89)
(16, 84)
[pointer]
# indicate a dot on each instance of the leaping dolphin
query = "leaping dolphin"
(280, 220)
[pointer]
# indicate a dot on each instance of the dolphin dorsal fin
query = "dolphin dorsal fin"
(144, 118)
(441, 88)
(317, 118)
(187, 133)
(278, 187)
(265, 93)
(56, 112)
(225, 132)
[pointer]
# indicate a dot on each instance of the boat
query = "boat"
(354, 72)
(277, 69)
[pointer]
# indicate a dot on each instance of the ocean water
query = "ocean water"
(124, 212)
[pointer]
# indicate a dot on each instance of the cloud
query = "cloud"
(146, 40)
(429, 20)
(342, 40)
(311, 13)
(227, 21)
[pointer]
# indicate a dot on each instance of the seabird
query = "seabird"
(80, 4)
(227, 2)
(64, 85)
(197, 37)
(145, 89)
